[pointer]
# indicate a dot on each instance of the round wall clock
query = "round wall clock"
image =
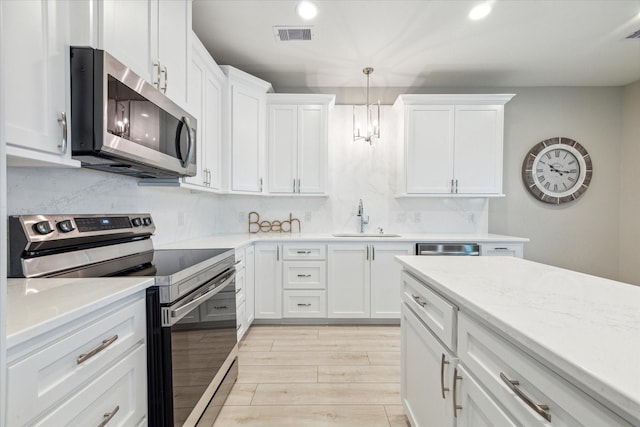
(557, 170)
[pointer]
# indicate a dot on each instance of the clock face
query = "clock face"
(557, 170)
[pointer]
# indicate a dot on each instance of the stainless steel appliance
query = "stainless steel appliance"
(447, 249)
(120, 123)
(191, 318)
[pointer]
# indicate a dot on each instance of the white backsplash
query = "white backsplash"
(357, 171)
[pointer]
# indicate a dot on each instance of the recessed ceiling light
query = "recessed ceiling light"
(306, 10)
(480, 11)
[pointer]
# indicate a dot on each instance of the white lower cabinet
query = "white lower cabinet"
(249, 290)
(364, 280)
(502, 249)
(304, 281)
(78, 372)
(298, 303)
(268, 281)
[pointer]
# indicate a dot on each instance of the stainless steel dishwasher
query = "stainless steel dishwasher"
(447, 249)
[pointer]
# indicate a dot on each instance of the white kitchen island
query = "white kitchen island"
(571, 342)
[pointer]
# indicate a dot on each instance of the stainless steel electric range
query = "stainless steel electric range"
(191, 318)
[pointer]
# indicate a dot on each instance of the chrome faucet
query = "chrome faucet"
(361, 215)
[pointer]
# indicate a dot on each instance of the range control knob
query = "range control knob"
(65, 226)
(42, 227)
(147, 221)
(137, 222)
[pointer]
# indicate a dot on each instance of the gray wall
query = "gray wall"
(581, 235)
(630, 191)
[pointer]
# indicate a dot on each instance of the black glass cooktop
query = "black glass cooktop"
(166, 262)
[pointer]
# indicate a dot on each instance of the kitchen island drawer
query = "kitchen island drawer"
(42, 377)
(436, 312)
(118, 397)
(304, 252)
(305, 275)
(305, 304)
(533, 394)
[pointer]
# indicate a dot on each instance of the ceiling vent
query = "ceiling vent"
(292, 34)
(635, 35)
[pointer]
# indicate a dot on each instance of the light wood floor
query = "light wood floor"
(312, 376)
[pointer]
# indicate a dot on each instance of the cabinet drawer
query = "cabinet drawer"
(240, 286)
(305, 275)
(310, 252)
(502, 249)
(240, 260)
(436, 312)
(489, 356)
(44, 377)
(305, 304)
(120, 391)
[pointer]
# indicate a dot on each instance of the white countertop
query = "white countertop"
(35, 306)
(586, 326)
(240, 240)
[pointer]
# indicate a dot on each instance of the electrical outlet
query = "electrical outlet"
(307, 216)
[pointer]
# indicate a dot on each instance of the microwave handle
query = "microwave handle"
(184, 122)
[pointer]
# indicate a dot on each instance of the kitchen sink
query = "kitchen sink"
(365, 235)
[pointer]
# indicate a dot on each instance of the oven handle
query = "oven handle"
(177, 314)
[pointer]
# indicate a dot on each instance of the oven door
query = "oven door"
(199, 334)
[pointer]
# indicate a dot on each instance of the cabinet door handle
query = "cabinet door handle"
(220, 307)
(442, 363)
(64, 142)
(277, 253)
(304, 305)
(294, 185)
(304, 252)
(304, 275)
(452, 187)
(367, 253)
(419, 300)
(166, 79)
(108, 416)
(456, 407)
(298, 185)
(373, 253)
(156, 68)
(106, 343)
(260, 185)
(542, 410)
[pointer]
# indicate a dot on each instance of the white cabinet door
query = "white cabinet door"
(348, 290)
(249, 297)
(246, 139)
(426, 369)
(35, 93)
(385, 278)
(205, 103)
(478, 148)
(283, 148)
(268, 282)
(475, 407)
(312, 148)
(173, 41)
(429, 148)
(128, 33)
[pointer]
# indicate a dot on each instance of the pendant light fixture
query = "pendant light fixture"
(372, 117)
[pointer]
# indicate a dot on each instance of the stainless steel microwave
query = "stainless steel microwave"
(120, 123)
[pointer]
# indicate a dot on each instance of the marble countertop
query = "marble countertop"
(240, 240)
(587, 327)
(35, 306)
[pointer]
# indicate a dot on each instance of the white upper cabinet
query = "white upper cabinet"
(35, 65)
(298, 139)
(452, 144)
(206, 83)
(152, 37)
(244, 131)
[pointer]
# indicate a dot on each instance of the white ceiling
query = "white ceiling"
(427, 43)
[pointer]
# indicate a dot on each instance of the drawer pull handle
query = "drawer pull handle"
(108, 416)
(442, 387)
(238, 290)
(456, 407)
(304, 305)
(304, 275)
(421, 301)
(220, 307)
(304, 252)
(106, 343)
(542, 410)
